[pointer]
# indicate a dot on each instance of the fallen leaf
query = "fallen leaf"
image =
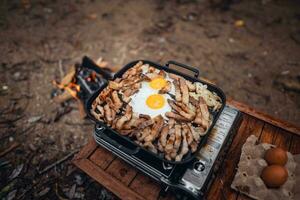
(16, 172)
(34, 119)
(11, 195)
(43, 192)
(72, 191)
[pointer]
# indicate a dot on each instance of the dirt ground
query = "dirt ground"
(251, 49)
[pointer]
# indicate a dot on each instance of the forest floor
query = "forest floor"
(250, 49)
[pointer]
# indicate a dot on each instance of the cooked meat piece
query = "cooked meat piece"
(108, 114)
(100, 109)
(194, 146)
(145, 124)
(98, 101)
(151, 69)
(200, 130)
(196, 134)
(184, 91)
(155, 129)
(110, 103)
(178, 97)
(132, 122)
(170, 143)
(174, 76)
(125, 132)
(184, 147)
(118, 80)
(151, 147)
(113, 114)
(205, 113)
(162, 73)
(98, 116)
(133, 71)
(168, 157)
(130, 92)
(126, 99)
(188, 116)
(194, 101)
(198, 118)
(114, 85)
(177, 142)
(113, 123)
(126, 117)
(175, 116)
(117, 102)
(163, 136)
(153, 75)
(191, 86)
(189, 136)
(165, 89)
(105, 92)
(144, 133)
(145, 116)
(171, 123)
(160, 147)
(145, 78)
(187, 108)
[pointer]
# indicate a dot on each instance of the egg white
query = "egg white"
(138, 102)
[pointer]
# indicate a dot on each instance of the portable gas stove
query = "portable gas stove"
(194, 178)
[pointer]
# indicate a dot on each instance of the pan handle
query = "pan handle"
(115, 143)
(89, 63)
(196, 71)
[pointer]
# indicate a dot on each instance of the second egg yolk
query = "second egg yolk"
(158, 83)
(155, 101)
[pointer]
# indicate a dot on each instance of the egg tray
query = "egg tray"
(126, 144)
(247, 179)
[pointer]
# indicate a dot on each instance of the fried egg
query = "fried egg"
(148, 101)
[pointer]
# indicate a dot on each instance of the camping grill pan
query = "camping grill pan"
(125, 143)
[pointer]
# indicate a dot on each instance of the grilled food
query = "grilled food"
(162, 112)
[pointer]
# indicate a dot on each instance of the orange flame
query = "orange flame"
(72, 88)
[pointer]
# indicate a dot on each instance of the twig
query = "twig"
(57, 162)
(9, 149)
(11, 120)
(61, 71)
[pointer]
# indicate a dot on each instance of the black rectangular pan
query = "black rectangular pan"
(125, 143)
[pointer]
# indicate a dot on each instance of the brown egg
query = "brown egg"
(276, 156)
(274, 175)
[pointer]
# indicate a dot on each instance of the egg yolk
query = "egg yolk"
(158, 83)
(155, 101)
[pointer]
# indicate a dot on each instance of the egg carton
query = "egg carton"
(247, 179)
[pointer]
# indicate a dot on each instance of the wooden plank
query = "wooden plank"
(146, 186)
(264, 117)
(272, 135)
(108, 181)
(168, 196)
(122, 171)
(221, 186)
(295, 145)
(102, 157)
(87, 150)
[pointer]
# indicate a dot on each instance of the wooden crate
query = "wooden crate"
(128, 183)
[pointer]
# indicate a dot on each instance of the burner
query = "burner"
(193, 178)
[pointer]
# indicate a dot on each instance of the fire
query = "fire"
(72, 88)
(92, 77)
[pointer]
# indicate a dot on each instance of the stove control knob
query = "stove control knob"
(199, 167)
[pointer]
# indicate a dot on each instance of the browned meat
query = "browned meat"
(184, 91)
